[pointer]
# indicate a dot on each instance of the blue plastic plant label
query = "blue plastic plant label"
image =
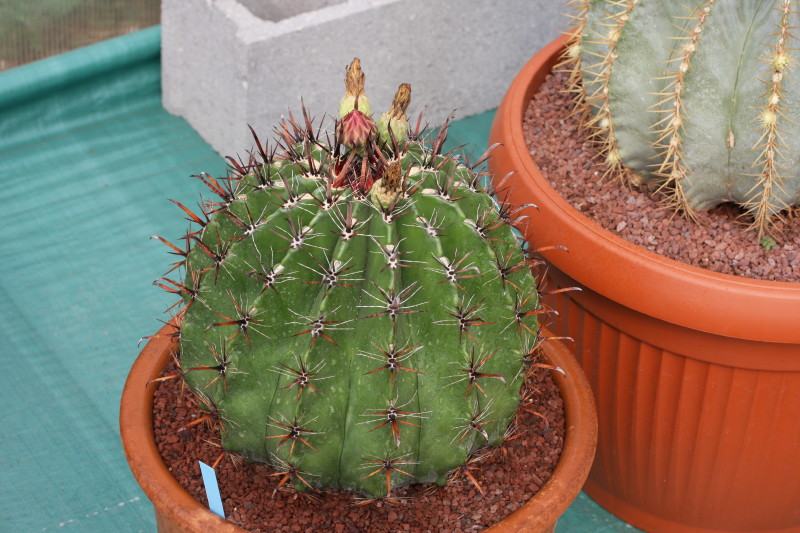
(212, 489)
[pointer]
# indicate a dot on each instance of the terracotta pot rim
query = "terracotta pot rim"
(173, 502)
(672, 291)
(170, 500)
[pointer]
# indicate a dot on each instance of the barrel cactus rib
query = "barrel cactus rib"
(771, 193)
(671, 159)
(356, 312)
(319, 329)
(697, 99)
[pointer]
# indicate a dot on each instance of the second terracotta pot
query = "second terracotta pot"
(696, 375)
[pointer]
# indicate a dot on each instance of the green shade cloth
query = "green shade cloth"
(88, 158)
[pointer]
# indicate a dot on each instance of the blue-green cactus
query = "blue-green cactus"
(697, 97)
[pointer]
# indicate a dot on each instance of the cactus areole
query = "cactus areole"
(697, 97)
(356, 310)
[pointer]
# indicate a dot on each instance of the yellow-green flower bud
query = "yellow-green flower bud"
(354, 97)
(395, 119)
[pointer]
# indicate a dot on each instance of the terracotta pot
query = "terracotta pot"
(696, 375)
(177, 511)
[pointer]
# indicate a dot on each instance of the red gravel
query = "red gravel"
(717, 241)
(509, 475)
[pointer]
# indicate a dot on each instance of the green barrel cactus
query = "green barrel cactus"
(356, 310)
(698, 98)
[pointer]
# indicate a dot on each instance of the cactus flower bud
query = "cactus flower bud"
(387, 189)
(395, 119)
(354, 97)
(356, 129)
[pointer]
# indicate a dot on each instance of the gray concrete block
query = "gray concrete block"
(230, 63)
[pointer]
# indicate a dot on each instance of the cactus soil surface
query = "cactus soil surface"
(717, 241)
(255, 500)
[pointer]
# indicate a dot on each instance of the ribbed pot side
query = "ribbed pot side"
(178, 512)
(696, 375)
